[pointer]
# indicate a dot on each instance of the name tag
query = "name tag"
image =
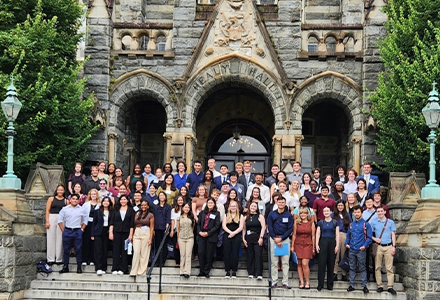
(285, 220)
(260, 205)
(168, 192)
(248, 232)
(212, 217)
(156, 202)
(144, 228)
(371, 181)
(240, 190)
(135, 208)
(90, 219)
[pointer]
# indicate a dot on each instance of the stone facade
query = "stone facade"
(158, 69)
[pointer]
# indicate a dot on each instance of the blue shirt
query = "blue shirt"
(73, 217)
(378, 225)
(180, 181)
(194, 181)
(367, 214)
(162, 216)
(150, 177)
(280, 224)
(359, 234)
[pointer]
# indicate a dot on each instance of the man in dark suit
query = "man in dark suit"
(373, 183)
(224, 177)
(247, 178)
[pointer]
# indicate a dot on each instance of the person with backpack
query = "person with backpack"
(359, 237)
(321, 203)
(327, 237)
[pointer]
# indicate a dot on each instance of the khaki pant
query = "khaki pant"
(384, 253)
(54, 240)
(340, 254)
(141, 253)
(274, 263)
(185, 247)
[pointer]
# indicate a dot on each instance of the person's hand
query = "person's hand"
(171, 234)
(110, 236)
(92, 238)
(260, 242)
(231, 235)
(130, 238)
(347, 246)
(245, 243)
(47, 225)
(336, 249)
(362, 248)
(149, 243)
(292, 249)
(393, 251)
(317, 249)
(277, 240)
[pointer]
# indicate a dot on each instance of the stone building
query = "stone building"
(271, 81)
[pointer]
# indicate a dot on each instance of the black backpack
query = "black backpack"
(43, 268)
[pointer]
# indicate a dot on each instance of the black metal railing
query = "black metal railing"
(157, 255)
(269, 261)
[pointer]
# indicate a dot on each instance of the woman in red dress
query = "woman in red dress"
(303, 244)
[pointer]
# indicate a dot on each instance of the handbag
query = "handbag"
(375, 245)
(344, 264)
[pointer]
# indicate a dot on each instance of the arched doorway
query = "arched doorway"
(235, 124)
(325, 128)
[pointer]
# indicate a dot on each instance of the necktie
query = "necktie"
(247, 179)
(367, 179)
(224, 179)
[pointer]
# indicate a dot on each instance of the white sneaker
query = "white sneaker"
(120, 273)
(115, 272)
(84, 264)
(102, 272)
(251, 276)
(260, 278)
(99, 272)
(92, 264)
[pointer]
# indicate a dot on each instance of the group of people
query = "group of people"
(211, 214)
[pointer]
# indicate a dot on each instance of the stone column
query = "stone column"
(188, 150)
(356, 152)
(298, 140)
(132, 157)
(168, 136)
(277, 150)
(112, 137)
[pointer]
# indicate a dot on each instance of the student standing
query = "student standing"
(185, 237)
(162, 219)
(359, 237)
(340, 215)
(327, 237)
(142, 239)
(121, 229)
(232, 226)
(175, 214)
(54, 235)
(100, 234)
(92, 203)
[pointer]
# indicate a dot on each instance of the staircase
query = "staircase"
(91, 286)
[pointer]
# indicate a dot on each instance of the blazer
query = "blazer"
(118, 224)
(213, 226)
(373, 184)
(242, 180)
(218, 181)
(98, 223)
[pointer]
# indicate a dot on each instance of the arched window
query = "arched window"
(349, 44)
(126, 42)
(312, 45)
(143, 42)
(245, 144)
(160, 43)
(330, 43)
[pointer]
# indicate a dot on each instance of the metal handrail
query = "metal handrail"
(156, 256)
(269, 260)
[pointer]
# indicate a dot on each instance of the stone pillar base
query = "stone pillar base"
(15, 202)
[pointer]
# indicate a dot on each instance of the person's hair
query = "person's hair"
(281, 198)
(103, 179)
(118, 205)
(274, 165)
(215, 191)
(181, 162)
(111, 164)
(105, 165)
(206, 191)
(197, 162)
(356, 203)
(60, 185)
(239, 164)
(164, 184)
(291, 192)
(158, 196)
(74, 195)
(80, 185)
(377, 193)
(134, 168)
(357, 207)
(247, 162)
(308, 174)
(316, 169)
(324, 187)
(354, 172)
(118, 178)
(122, 172)
(248, 213)
(210, 172)
(93, 167)
(296, 162)
(142, 182)
(89, 196)
(301, 210)
(252, 193)
(190, 214)
(364, 181)
(155, 171)
(223, 165)
(331, 176)
(301, 198)
(259, 174)
(280, 172)
(78, 163)
(110, 206)
(368, 198)
(168, 164)
(275, 194)
(236, 218)
(152, 185)
(187, 197)
(214, 209)
(229, 200)
(366, 163)
(233, 173)
(340, 167)
(345, 217)
(175, 205)
(148, 164)
(140, 213)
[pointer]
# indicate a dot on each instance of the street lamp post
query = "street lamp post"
(11, 107)
(431, 112)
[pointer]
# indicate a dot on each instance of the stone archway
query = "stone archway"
(134, 93)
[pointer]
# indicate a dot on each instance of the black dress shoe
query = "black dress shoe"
(207, 276)
(330, 288)
(344, 278)
(79, 270)
(319, 288)
(65, 269)
(335, 277)
(392, 291)
(380, 290)
(350, 289)
(365, 290)
(201, 274)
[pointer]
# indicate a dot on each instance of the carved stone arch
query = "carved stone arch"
(332, 86)
(142, 83)
(234, 70)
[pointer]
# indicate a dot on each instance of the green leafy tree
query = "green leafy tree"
(411, 56)
(38, 42)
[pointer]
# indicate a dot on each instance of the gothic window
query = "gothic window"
(349, 44)
(330, 43)
(143, 42)
(312, 45)
(126, 42)
(160, 43)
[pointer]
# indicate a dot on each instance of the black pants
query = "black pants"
(326, 258)
(158, 236)
(120, 258)
(231, 247)
(176, 251)
(101, 250)
(206, 252)
(87, 245)
(254, 255)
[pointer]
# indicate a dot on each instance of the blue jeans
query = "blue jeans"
(356, 258)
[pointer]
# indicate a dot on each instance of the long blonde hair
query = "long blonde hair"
(355, 201)
(301, 210)
(291, 192)
(236, 218)
(89, 196)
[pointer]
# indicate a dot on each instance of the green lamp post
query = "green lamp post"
(11, 107)
(431, 112)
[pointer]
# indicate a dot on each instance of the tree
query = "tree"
(38, 40)
(411, 56)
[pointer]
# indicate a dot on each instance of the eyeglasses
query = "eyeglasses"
(102, 183)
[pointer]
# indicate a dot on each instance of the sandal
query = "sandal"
(307, 286)
(301, 286)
